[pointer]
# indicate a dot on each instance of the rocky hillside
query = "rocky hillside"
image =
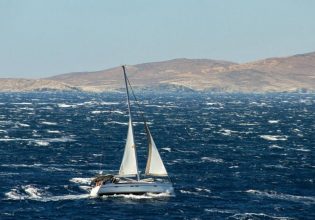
(25, 85)
(167, 74)
(286, 74)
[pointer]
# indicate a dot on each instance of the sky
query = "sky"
(41, 38)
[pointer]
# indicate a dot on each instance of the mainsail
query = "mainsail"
(129, 162)
(155, 166)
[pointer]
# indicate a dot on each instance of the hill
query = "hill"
(286, 74)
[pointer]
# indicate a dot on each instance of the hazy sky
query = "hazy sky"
(41, 38)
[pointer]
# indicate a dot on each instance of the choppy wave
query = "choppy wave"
(211, 152)
(273, 121)
(203, 190)
(226, 132)
(48, 123)
(188, 192)
(167, 149)
(22, 124)
(21, 165)
(224, 211)
(274, 137)
(53, 131)
(248, 215)
(36, 141)
(276, 195)
(188, 151)
(41, 143)
(212, 160)
(274, 146)
(81, 180)
(63, 105)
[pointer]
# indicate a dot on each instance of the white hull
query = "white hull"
(132, 188)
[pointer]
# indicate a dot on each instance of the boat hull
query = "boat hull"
(136, 188)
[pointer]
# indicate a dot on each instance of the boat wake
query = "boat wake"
(136, 197)
(31, 192)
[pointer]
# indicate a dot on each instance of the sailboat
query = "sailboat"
(129, 180)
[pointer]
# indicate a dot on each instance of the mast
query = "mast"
(125, 77)
(129, 110)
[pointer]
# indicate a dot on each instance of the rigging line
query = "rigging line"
(146, 129)
(137, 102)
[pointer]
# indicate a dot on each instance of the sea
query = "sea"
(230, 156)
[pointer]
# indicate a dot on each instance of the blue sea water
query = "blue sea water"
(230, 156)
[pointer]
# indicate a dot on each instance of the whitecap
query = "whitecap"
(26, 108)
(22, 124)
(274, 137)
(273, 121)
(213, 103)
(14, 195)
(274, 146)
(220, 211)
(188, 192)
(302, 149)
(21, 165)
(53, 131)
(248, 124)
(183, 160)
(6, 139)
(249, 215)
(187, 151)
(46, 108)
(298, 132)
(22, 103)
(81, 180)
(118, 112)
(41, 143)
(203, 190)
(32, 191)
(96, 112)
(166, 149)
(109, 103)
(117, 122)
(275, 166)
(276, 195)
(226, 132)
(63, 105)
(213, 160)
(48, 123)
(61, 139)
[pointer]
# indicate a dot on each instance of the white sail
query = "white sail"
(129, 162)
(155, 166)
